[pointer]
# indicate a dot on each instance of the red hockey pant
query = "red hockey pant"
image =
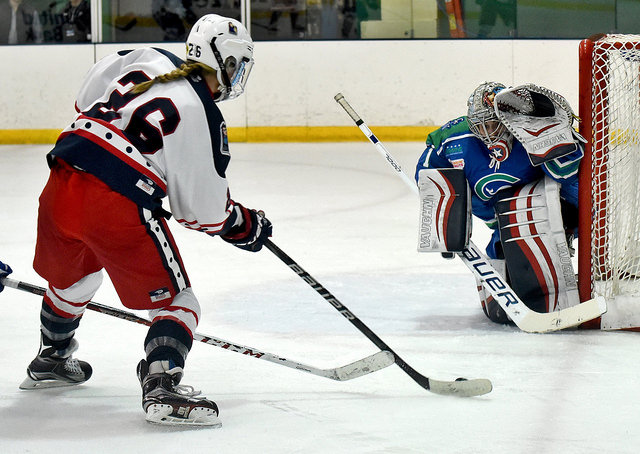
(84, 226)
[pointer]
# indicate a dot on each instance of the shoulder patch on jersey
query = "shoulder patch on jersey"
(452, 129)
(224, 139)
(458, 163)
(452, 123)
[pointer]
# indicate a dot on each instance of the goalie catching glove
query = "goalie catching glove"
(540, 119)
(250, 229)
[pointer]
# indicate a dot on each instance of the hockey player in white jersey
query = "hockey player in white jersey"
(147, 127)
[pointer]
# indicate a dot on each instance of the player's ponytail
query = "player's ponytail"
(183, 71)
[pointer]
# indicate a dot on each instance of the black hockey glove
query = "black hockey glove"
(250, 230)
(5, 270)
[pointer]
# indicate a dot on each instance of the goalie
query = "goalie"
(512, 162)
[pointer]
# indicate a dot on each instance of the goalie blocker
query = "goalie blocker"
(445, 210)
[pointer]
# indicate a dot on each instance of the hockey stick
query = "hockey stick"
(460, 387)
(358, 368)
(525, 318)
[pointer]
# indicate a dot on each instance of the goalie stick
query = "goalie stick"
(358, 368)
(525, 318)
(460, 387)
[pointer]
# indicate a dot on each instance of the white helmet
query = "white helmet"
(223, 44)
(484, 122)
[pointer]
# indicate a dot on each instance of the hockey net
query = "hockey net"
(609, 232)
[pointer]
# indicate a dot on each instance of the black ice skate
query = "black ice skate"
(166, 402)
(55, 368)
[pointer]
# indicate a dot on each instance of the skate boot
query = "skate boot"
(166, 402)
(55, 368)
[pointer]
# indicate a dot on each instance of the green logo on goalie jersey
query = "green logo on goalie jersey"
(488, 186)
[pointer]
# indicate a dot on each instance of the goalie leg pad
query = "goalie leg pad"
(445, 210)
(535, 246)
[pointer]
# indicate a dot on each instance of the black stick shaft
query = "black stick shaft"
(355, 321)
(36, 290)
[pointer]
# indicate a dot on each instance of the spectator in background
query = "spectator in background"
(322, 19)
(286, 6)
(349, 19)
(76, 26)
(171, 16)
(19, 23)
(489, 12)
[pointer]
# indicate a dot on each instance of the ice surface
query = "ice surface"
(343, 215)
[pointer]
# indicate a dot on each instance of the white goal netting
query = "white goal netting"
(615, 169)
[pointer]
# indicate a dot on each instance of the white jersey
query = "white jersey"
(170, 140)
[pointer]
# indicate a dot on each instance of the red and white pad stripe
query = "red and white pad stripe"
(184, 310)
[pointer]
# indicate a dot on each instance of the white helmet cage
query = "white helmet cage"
(223, 44)
(481, 114)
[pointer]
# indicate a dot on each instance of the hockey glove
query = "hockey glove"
(250, 230)
(5, 270)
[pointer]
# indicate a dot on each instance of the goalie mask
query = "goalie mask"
(223, 44)
(484, 123)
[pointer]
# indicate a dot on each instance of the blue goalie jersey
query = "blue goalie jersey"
(454, 145)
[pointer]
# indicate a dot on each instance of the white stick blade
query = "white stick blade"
(536, 322)
(461, 387)
(364, 366)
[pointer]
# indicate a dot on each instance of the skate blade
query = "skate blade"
(161, 414)
(30, 383)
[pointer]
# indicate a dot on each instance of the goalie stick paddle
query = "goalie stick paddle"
(525, 318)
(460, 387)
(358, 368)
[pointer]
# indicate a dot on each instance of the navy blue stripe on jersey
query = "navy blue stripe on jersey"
(167, 250)
(177, 61)
(217, 128)
(88, 156)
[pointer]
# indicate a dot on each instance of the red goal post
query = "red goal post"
(609, 228)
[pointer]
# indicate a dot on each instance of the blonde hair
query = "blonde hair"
(183, 71)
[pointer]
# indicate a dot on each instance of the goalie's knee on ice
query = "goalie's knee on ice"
(494, 312)
(490, 306)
